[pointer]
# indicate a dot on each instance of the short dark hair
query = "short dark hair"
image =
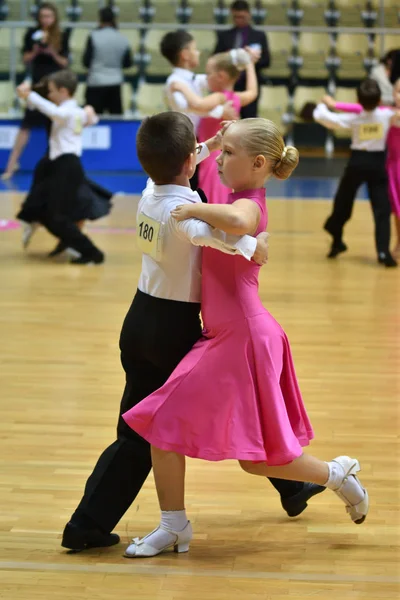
(369, 94)
(106, 15)
(163, 142)
(173, 43)
(240, 5)
(389, 57)
(64, 79)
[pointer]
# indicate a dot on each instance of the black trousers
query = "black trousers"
(155, 336)
(369, 168)
(250, 111)
(53, 201)
(105, 99)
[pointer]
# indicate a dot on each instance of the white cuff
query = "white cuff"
(246, 246)
(202, 154)
(217, 112)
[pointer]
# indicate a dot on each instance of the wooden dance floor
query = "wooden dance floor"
(61, 383)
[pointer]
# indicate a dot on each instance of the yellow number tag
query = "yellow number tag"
(149, 236)
(371, 131)
(78, 125)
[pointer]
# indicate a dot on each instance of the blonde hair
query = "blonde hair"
(261, 136)
(232, 62)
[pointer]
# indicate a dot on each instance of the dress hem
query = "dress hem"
(277, 460)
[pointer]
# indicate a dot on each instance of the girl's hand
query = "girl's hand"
(329, 101)
(225, 125)
(176, 86)
(23, 90)
(255, 54)
(182, 212)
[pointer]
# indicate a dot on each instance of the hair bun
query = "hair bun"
(287, 163)
(240, 58)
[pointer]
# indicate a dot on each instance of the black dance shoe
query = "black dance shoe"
(294, 505)
(76, 538)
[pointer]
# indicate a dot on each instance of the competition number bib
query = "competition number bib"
(149, 236)
(78, 127)
(371, 131)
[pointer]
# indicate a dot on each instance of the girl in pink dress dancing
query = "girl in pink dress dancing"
(235, 395)
(393, 154)
(222, 71)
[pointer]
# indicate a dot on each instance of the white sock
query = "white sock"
(173, 520)
(351, 489)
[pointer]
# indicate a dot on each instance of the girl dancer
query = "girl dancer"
(235, 395)
(45, 51)
(222, 71)
(393, 155)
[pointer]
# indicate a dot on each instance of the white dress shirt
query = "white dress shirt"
(67, 127)
(177, 101)
(171, 268)
(380, 74)
(369, 129)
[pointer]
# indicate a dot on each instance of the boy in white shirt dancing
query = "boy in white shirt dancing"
(53, 199)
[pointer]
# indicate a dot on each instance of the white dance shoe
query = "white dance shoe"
(142, 548)
(28, 229)
(351, 466)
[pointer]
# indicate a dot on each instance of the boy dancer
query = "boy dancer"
(366, 165)
(53, 199)
(162, 323)
(179, 48)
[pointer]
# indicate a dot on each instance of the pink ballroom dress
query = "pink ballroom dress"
(393, 168)
(235, 394)
(209, 180)
(392, 160)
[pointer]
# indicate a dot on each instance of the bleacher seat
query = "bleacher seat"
(17, 10)
(128, 11)
(156, 64)
(90, 10)
(350, 12)
(304, 94)
(133, 37)
(276, 12)
(313, 12)
(352, 49)
(6, 96)
(163, 11)
(273, 104)
(5, 48)
(77, 44)
(390, 42)
(150, 99)
(205, 41)
(202, 11)
(313, 49)
(392, 14)
(280, 46)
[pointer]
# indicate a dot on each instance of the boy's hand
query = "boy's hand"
(23, 90)
(91, 115)
(260, 256)
(329, 101)
(182, 212)
(229, 113)
(214, 143)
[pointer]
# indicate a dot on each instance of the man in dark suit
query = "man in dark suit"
(395, 71)
(240, 36)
